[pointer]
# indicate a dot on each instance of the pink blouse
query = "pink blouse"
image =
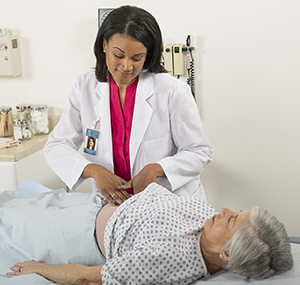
(121, 121)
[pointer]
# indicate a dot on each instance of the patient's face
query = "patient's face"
(221, 227)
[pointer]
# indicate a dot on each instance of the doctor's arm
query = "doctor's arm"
(61, 150)
(76, 274)
(194, 151)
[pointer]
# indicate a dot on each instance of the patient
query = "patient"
(157, 237)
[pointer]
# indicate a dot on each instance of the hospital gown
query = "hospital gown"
(154, 238)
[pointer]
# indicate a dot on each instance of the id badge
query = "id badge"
(91, 140)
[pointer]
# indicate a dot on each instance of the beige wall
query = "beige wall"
(247, 64)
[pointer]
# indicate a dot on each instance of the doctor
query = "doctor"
(145, 123)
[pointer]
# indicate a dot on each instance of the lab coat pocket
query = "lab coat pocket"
(158, 148)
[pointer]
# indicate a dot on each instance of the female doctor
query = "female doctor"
(145, 122)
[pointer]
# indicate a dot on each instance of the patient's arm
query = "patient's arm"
(62, 274)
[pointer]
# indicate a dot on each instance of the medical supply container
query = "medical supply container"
(22, 125)
(23, 112)
(39, 119)
(6, 121)
(21, 131)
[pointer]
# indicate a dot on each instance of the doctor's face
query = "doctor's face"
(221, 227)
(125, 58)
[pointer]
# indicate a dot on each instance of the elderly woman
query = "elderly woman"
(154, 237)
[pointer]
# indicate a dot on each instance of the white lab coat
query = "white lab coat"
(166, 129)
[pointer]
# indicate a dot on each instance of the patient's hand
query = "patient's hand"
(26, 267)
(62, 274)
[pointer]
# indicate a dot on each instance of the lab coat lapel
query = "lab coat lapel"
(142, 114)
(102, 109)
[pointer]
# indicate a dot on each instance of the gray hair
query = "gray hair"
(260, 248)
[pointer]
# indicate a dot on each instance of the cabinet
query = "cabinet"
(27, 162)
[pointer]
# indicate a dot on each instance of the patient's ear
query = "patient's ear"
(224, 255)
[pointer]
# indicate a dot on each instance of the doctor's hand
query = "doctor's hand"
(107, 183)
(146, 176)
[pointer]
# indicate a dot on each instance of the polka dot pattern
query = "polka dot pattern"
(154, 238)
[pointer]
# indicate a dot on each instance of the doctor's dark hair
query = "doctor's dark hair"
(260, 248)
(136, 23)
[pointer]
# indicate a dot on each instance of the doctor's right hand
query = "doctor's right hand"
(107, 183)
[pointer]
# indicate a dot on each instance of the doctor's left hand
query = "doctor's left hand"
(146, 176)
(22, 268)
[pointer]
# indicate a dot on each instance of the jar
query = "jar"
(39, 119)
(22, 126)
(21, 130)
(23, 112)
(6, 121)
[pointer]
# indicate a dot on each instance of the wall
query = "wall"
(247, 67)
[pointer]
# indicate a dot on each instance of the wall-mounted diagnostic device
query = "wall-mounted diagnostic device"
(175, 59)
(178, 60)
(10, 55)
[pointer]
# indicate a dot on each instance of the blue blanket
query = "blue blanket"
(48, 226)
